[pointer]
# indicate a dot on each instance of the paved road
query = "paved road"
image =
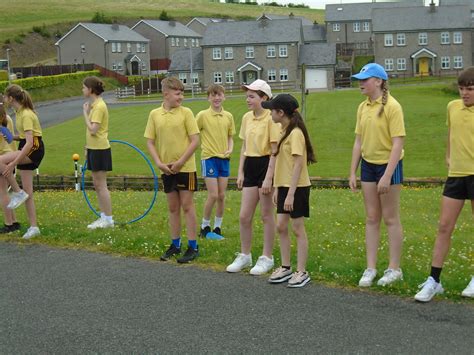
(67, 301)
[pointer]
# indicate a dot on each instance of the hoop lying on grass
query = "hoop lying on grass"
(155, 180)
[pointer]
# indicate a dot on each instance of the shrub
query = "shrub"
(3, 75)
(164, 16)
(99, 17)
(41, 30)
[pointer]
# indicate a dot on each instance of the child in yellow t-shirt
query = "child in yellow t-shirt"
(216, 128)
(172, 137)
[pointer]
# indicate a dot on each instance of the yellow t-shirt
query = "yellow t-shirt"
(258, 133)
(461, 140)
(4, 146)
(294, 144)
(26, 120)
(376, 132)
(171, 130)
(98, 114)
(215, 129)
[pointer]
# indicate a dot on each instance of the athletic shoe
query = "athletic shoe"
(299, 279)
(189, 255)
(101, 223)
(204, 231)
(469, 290)
(15, 226)
(367, 278)
(429, 289)
(217, 230)
(31, 233)
(242, 261)
(262, 266)
(390, 276)
(8, 228)
(280, 275)
(16, 199)
(172, 250)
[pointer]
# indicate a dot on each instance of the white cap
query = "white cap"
(259, 85)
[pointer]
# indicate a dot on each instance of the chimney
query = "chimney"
(172, 23)
(115, 27)
(432, 6)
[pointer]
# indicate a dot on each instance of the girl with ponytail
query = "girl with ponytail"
(292, 187)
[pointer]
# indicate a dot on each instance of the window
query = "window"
(195, 78)
(389, 64)
(197, 42)
(401, 64)
(283, 74)
(445, 63)
(336, 27)
(216, 53)
(114, 47)
(139, 48)
(129, 47)
(366, 26)
(271, 51)
(143, 66)
(228, 53)
(388, 40)
(401, 39)
(272, 75)
(83, 48)
(193, 42)
(114, 66)
(119, 66)
(457, 37)
(183, 77)
(283, 50)
(173, 42)
(119, 47)
(356, 26)
(217, 78)
(457, 60)
(249, 52)
(445, 38)
(143, 47)
(185, 42)
(422, 38)
(229, 77)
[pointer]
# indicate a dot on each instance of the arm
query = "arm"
(177, 165)
(356, 155)
(384, 183)
(268, 182)
(295, 176)
(448, 149)
(93, 127)
(240, 174)
(230, 146)
(150, 143)
(22, 154)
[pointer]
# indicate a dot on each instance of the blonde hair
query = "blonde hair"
(384, 88)
(171, 83)
(215, 89)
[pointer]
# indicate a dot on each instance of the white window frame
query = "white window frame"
(193, 42)
(197, 42)
(366, 26)
(271, 75)
(271, 51)
(143, 47)
(389, 65)
(356, 26)
(114, 66)
(216, 53)
(195, 78)
(173, 42)
(228, 53)
(457, 37)
(185, 42)
(217, 77)
(83, 48)
(129, 47)
(139, 48)
(284, 75)
(336, 27)
(401, 64)
(177, 41)
(119, 66)
(119, 47)
(229, 77)
(114, 47)
(388, 40)
(458, 62)
(423, 38)
(401, 39)
(183, 77)
(283, 50)
(249, 52)
(445, 63)
(445, 38)
(144, 66)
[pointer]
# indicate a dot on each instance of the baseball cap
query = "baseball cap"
(284, 102)
(259, 85)
(371, 70)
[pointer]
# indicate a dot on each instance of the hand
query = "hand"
(267, 186)
(288, 204)
(353, 183)
(176, 167)
(227, 153)
(240, 180)
(86, 107)
(384, 185)
(447, 162)
(8, 169)
(165, 169)
(275, 197)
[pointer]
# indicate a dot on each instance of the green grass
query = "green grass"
(335, 231)
(330, 120)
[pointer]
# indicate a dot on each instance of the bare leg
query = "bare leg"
(27, 182)
(372, 223)
(187, 204)
(285, 243)
(248, 205)
(302, 242)
(267, 210)
(174, 208)
(99, 178)
(390, 203)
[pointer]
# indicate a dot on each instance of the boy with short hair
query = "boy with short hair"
(172, 138)
(459, 185)
(216, 128)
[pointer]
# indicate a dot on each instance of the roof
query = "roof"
(361, 11)
(421, 18)
(318, 54)
(181, 59)
(169, 28)
(252, 32)
(108, 32)
(305, 21)
(206, 20)
(314, 33)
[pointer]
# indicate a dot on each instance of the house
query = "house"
(199, 24)
(423, 40)
(314, 33)
(166, 37)
(304, 21)
(319, 60)
(114, 47)
(189, 74)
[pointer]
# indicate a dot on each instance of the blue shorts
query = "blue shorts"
(373, 172)
(215, 167)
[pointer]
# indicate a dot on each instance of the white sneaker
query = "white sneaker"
(367, 278)
(429, 289)
(390, 276)
(101, 223)
(17, 198)
(469, 290)
(31, 233)
(262, 266)
(242, 261)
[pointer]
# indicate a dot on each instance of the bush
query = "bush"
(99, 17)
(41, 30)
(451, 89)
(164, 16)
(3, 75)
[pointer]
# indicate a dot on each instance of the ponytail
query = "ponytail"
(19, 95)
(3, 113)
(384, 88)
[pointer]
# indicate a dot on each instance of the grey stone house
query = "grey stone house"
(166, 37)
(319, 60)
(434, 40)
(189, 74)
(114, 47)
(199, 24)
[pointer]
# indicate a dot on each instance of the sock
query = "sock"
(286, 267)
(205, 223)
(176, 242)
(193, 244)
(436, 273)
(102, 215)
(108, 218)
(217, 222)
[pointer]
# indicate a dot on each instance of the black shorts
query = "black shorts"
(300, 204)
(99, 159)
(180, 181)
(255, 169)
(370, 172)
(36, 153)
(459, 188)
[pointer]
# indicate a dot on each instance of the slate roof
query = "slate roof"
(170, 28)
(252, 32)
(314, 33)
(206, 20)
(111, 32)
(318, 54)
(181, 59)
(305, 21)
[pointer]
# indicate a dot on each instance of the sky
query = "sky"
(316, 4)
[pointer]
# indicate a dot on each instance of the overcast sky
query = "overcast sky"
(316, 4)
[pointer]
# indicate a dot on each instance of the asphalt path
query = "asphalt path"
(68, 301)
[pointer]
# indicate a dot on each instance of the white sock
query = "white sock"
(205, 223)
(109, 219)
(102, 215)
(217, 222)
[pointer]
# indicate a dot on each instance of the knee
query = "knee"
(391, 221)
(212, 196)
(245, 219)
(372, 220)
(445, 228)
(268, 218)
(282, 228)
(221, 196)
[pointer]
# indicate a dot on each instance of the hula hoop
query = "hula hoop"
(155, 183)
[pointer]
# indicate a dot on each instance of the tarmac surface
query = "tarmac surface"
(69, 301)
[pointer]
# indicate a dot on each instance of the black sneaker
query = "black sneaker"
(189, 255)
(6, 229)
(204, 231)
(15, 226)
(217, 230)
(172, 250)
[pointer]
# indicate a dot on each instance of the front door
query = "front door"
(135, 68)
(249, 77)
(424, 66)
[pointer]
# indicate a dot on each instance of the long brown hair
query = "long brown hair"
(3, 113)
(19, 95)
(93, 83)
(384, 88)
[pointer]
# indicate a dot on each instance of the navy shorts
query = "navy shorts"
(300, 203)
(215, 167)
(373, 172)
(255, 170)
(36, 153)
(99, 159)
(459, 188)
(179, 181)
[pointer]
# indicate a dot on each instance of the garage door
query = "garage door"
(316, 79)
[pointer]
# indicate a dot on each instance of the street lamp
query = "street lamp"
(8, 64)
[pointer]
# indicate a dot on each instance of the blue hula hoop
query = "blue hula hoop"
(155, 183)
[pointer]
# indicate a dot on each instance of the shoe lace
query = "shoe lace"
(367, 273)
(428, 282)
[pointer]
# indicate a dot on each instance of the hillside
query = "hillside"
(56, 17)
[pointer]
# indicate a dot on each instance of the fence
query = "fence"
(111, 74)
(122, 93)
(45, 70)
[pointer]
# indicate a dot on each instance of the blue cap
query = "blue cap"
(371, 70)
